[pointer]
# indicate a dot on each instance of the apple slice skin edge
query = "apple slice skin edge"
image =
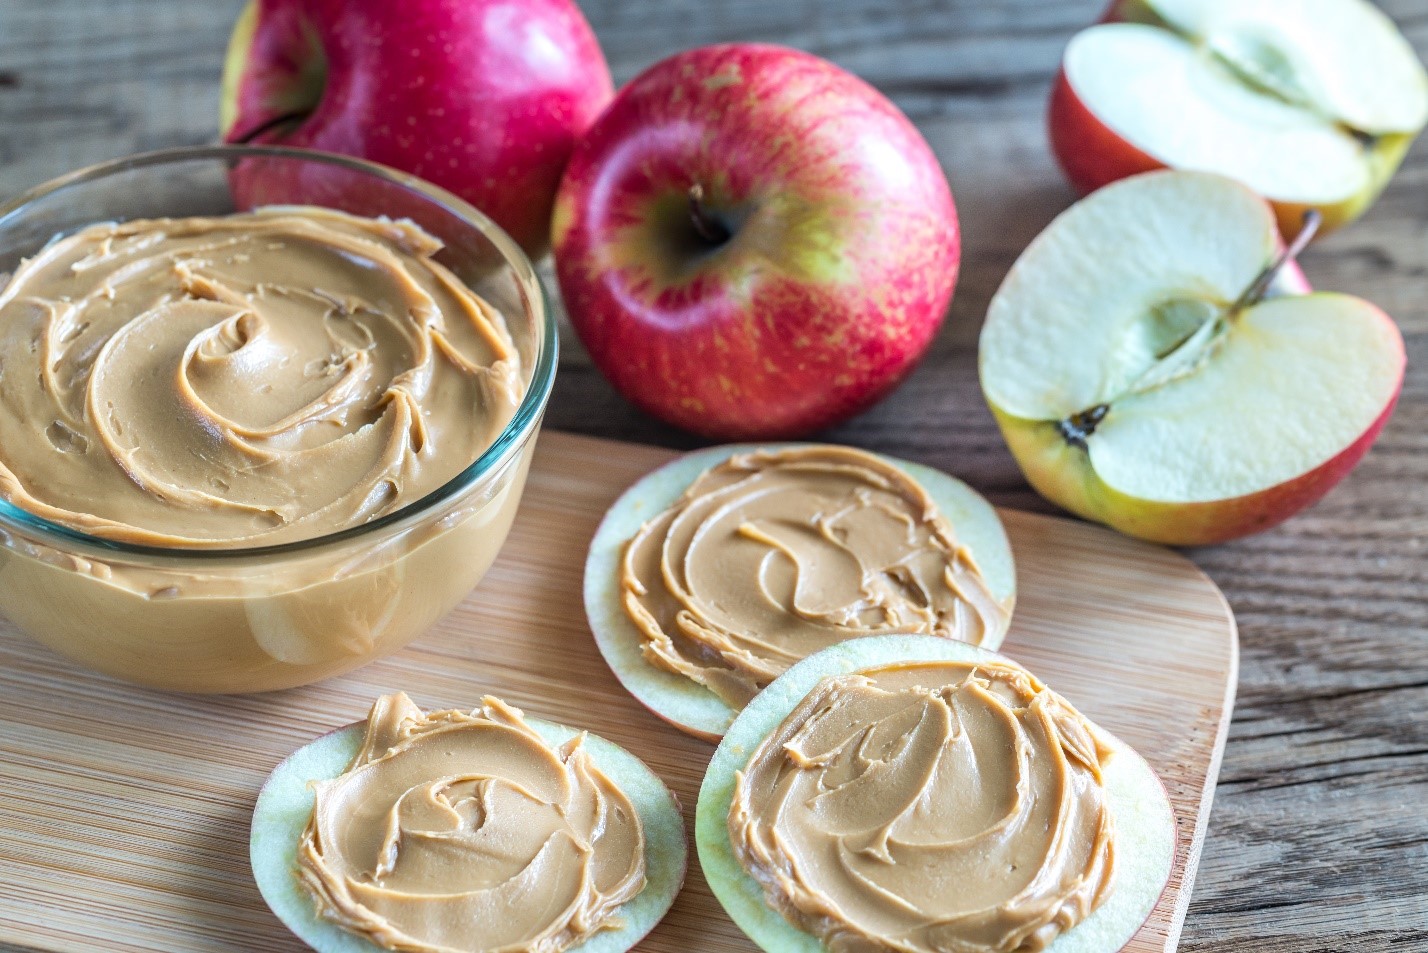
(284, 806)
(680, 701)
(1089, 153)
(1092, 156)
(1145, 820)
(1176, 524)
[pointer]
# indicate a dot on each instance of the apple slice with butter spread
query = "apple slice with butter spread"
(481, 831)
(716, 572)
(921, 794)
(1152, 369)
(1311, 103)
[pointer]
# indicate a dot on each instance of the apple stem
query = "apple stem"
(1076, 428)
(705, 225)
(1260, 286)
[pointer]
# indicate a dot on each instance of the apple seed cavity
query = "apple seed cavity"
(1180, 344)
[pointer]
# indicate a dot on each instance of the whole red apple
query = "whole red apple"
(753, 243)
(485, 98)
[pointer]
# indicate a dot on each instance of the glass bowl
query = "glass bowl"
(258, 619)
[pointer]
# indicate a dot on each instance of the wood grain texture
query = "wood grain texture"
(136, 803)
(1319, 839)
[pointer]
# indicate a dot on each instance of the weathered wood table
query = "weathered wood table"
(1319, 837)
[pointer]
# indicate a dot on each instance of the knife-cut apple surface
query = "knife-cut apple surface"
(1311, 103)
(1140, 383)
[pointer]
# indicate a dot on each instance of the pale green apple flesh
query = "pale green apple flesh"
(1145, 822)
(1135, 387)
(1311, 103)
(683, 702)
(286, 802)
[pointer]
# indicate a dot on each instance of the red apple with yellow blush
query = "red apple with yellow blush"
(485, 98)
(753, 243)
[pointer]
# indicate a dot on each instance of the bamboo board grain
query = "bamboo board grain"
(124, 812)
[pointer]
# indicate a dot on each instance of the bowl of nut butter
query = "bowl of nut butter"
(265, 414)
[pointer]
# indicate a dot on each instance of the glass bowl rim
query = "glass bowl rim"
(512, 437)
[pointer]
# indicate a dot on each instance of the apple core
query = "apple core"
(1184, 330)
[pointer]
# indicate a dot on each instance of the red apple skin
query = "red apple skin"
(842, 263)
(485, 98)
(1291, 280)
(1088, 151)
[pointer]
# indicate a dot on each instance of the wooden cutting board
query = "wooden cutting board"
(124, 812)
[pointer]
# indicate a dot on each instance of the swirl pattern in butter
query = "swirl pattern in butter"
(243, 380)
(457, 831)
(929, 807)
(775, 554)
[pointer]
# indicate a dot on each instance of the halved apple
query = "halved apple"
(1143, 379)
(1312, 104)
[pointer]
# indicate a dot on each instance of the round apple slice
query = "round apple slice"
(683, 702)
(1144, 820)
(1143, 378)
(285, 805)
